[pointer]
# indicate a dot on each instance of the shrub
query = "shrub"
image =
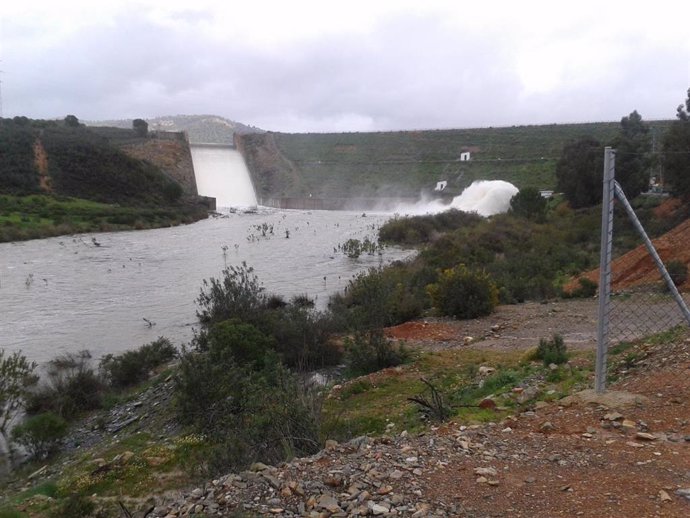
(237, 295)
(41, 434)
(678, 271)
(463, 293)
(247, 413)
(244, 343)
(529, 203)
(371, 352)
(133, 367)
(552, 351)
(70, 387)
(16, 375)
(74, 506)
(379, 298)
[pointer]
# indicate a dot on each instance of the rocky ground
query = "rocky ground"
(626, 454)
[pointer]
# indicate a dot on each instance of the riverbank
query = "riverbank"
(536, 451)
(40, 216)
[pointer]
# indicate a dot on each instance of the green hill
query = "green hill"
(57, 178)
(404, 163)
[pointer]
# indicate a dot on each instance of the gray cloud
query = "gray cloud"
(410, 72)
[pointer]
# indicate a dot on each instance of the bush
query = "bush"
(247, 413)
(552, 351)
(74, 506)
(678, 271)
(379, 298)
(529, 203)
(237, 295)
(70, 387)
(463, 293)
(41, 434)
(133, 367)
(371, 352)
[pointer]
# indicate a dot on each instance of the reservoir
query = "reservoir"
(100, 291)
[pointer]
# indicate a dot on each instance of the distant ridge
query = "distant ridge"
(202, 129)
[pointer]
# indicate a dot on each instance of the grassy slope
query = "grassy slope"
(80, 182)
(403, 163)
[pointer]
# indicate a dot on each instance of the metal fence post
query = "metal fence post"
(605, 268)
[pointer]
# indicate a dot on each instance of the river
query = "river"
(70, 293)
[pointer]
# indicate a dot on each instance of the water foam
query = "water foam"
(221, 173)
(485, 197)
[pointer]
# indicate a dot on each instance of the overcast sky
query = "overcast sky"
(346, 65)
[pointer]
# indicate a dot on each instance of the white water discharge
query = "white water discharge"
(485, 197)
(221, 173)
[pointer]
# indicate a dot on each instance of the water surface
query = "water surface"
(67, 293)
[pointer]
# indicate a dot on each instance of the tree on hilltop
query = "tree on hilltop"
(633, 146)
(676, 152)
(141, 127)
(579, 172)
(71, 121)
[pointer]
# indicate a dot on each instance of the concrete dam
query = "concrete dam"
(221, 173)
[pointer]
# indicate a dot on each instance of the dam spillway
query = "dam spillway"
(221, 173)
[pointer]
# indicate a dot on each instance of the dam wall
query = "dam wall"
(170, 151)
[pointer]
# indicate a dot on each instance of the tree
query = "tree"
(141, 127)
(579, 172)
(16, 376)
(529, 203)
(633, 146)
(676, 152)
(71, 121)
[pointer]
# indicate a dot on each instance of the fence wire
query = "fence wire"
(638, 296)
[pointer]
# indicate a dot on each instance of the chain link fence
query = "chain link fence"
(644, 283)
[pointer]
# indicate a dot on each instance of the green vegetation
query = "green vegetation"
(579, 172)
(552, 351)
(678, 271)
(16, 376)
(371, 351)
(462, 293)
(529, 203)
(40, 434)
(676, 151)
(404, 163)
(132, 367)
(61, 177)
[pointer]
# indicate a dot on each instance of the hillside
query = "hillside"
(404, 163)
(199, 128)
(57, 178)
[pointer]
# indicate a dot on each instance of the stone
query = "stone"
(482, 480)
(328, 503)
(613, 416)
(486, 371)
(258, 466)
(485, 472)
(644, 436)
(546, 426)
(684, 492)
(396, 474)
(664, 496)
(635, 444)
(331, 445)
(377, 509)
(627, 423)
